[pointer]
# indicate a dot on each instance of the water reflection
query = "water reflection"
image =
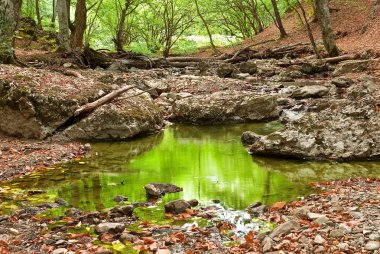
(208, 162)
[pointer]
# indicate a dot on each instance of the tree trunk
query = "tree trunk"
(278, 19)
(9, 15)
(38, 14)
(323, 14)
(80, 25)
(309, 31)
(118, 40)
(206, 26)
(54, 13)
(64, 31)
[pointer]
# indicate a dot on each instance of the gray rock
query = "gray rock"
(314, 67)
(337, 233)
(267, 244)
(127, 237)
(342, 82)
(119, 211)
(61, 202)
(319, 239)
(284, 228)
(301, 212)
(225, 107)
(248, 67)
(372, 245)
(258, 210)
(226, 70)
(118, 120)
(157, 190)
(109, 227)
(314, 216)
(351, 66)
(374, 237)
(321, 220)
(120, 198)
(344, 129)
(315, 91)
(179, 206)
(60, 251)
(343, 246)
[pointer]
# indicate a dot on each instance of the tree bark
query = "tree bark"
(309, 31)
(206, 27)
(64, 31)
(323, 14)
(38, 14)
(9, 15)
(80, 25)
(278, 19)
(54, 13)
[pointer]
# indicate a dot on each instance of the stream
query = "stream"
(210, 164)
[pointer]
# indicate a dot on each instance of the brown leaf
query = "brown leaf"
(278, 206)
(249, 238)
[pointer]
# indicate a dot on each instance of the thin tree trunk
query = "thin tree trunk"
(278, 19)
(38, 14)
(206, 26)
(64, 31)
(309, 32)
(323, 13)
(118, 40)
(80, 25)
(54, 13)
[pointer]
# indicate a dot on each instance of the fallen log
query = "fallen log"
(89, 107)
(237, 53)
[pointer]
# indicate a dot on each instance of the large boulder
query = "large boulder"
(351, 66)
(225, 107)
(119, 120)
(314, 91)
(26, 111)
(344, 129)
(35, 103)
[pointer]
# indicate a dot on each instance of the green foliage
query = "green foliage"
(154, 26)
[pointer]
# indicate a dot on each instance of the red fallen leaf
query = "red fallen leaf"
(106, 238)
(3, 243)
(140, 247)
(189, 252)
(16, 242)
(153, 246)
(148, 240)
(182, 216)
(203, 231)
(249, 238)
(4, 250)
(278, 206)
(46, 248)
(165, 251)
(178, 237)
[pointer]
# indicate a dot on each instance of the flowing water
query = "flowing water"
(210, 163)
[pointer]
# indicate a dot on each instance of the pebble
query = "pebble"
(372, 245)
(60, 251)
(13, 231)
(336, 233)
(319, 239)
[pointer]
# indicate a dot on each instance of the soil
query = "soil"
(19, 157)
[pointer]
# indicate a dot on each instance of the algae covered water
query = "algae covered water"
(210, 163)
